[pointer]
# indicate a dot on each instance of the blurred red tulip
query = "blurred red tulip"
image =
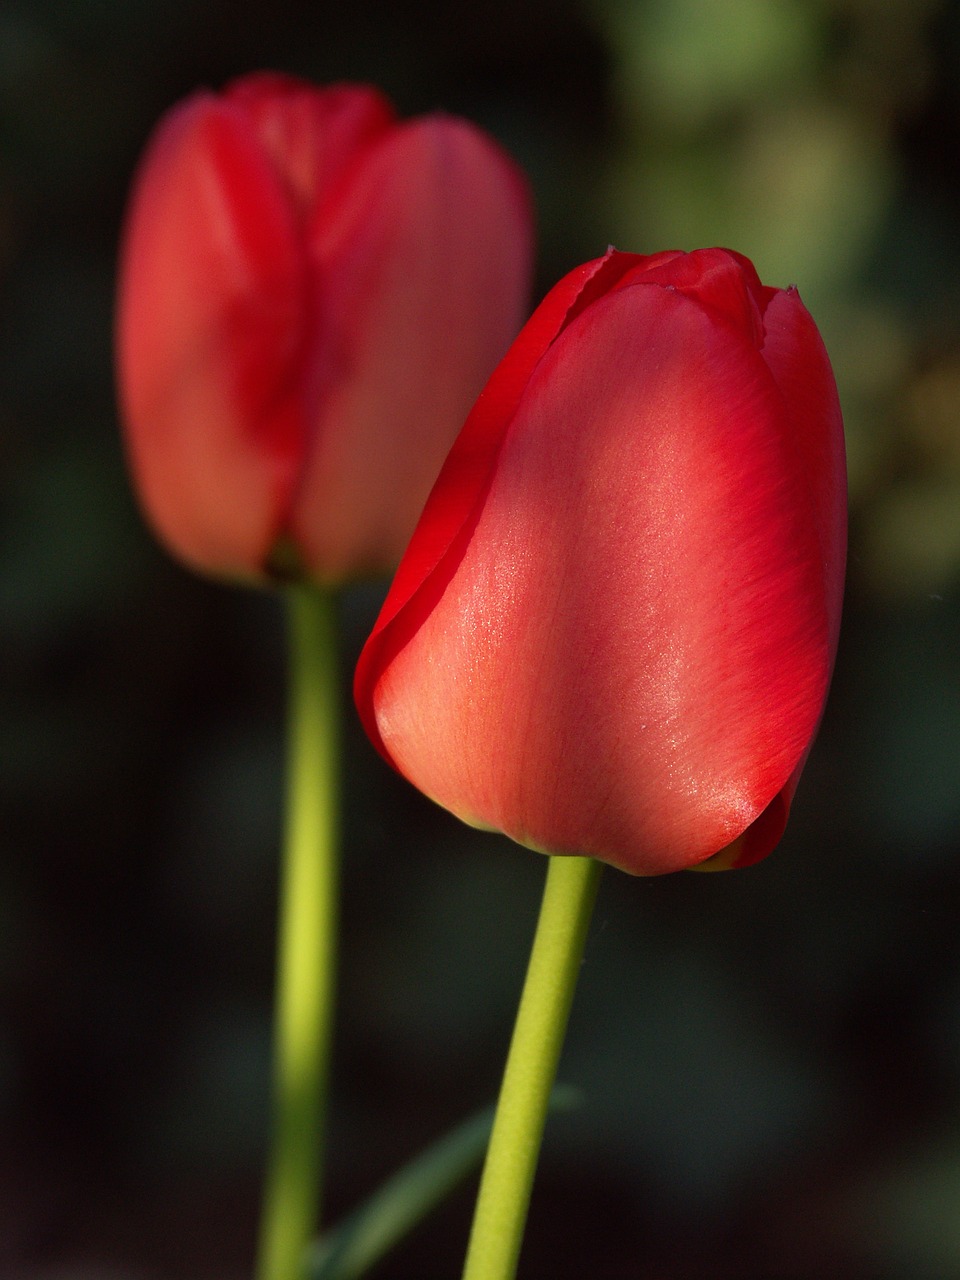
(311, 295)
(613, 631)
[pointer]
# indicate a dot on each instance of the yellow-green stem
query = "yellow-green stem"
(538, 1034)
(306, 942)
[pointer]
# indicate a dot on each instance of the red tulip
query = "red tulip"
(311, 296)
(613, 631)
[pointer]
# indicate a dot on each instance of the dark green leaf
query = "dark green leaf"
(370, 1232)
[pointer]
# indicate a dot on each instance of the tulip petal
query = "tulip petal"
(211, 322)
(422, 271)
(628, 656)
(719, 279)
(795, 354)
(466, 473)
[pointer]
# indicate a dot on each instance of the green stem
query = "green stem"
(306, 940)
(538, 1033)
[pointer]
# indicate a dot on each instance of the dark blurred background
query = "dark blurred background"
(770, 1060)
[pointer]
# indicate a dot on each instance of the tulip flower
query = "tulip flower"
(311, 295)
(613, 631)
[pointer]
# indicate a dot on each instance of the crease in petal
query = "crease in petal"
(312, 136)
(720, 281)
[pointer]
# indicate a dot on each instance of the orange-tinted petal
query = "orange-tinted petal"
(626, 648)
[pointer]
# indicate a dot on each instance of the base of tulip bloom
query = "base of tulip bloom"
(727, 859)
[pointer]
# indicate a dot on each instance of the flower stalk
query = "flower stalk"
(306, 943)
(538, 1034)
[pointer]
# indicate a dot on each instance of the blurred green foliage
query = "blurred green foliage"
(770, 1061)
(785, 129)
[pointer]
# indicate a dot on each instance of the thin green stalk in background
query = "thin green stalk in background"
(538, 1033)
(306, 948)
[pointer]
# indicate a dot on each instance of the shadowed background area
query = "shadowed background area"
(769, 1060)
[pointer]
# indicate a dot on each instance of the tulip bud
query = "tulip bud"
(613, 631)
(311, 295)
